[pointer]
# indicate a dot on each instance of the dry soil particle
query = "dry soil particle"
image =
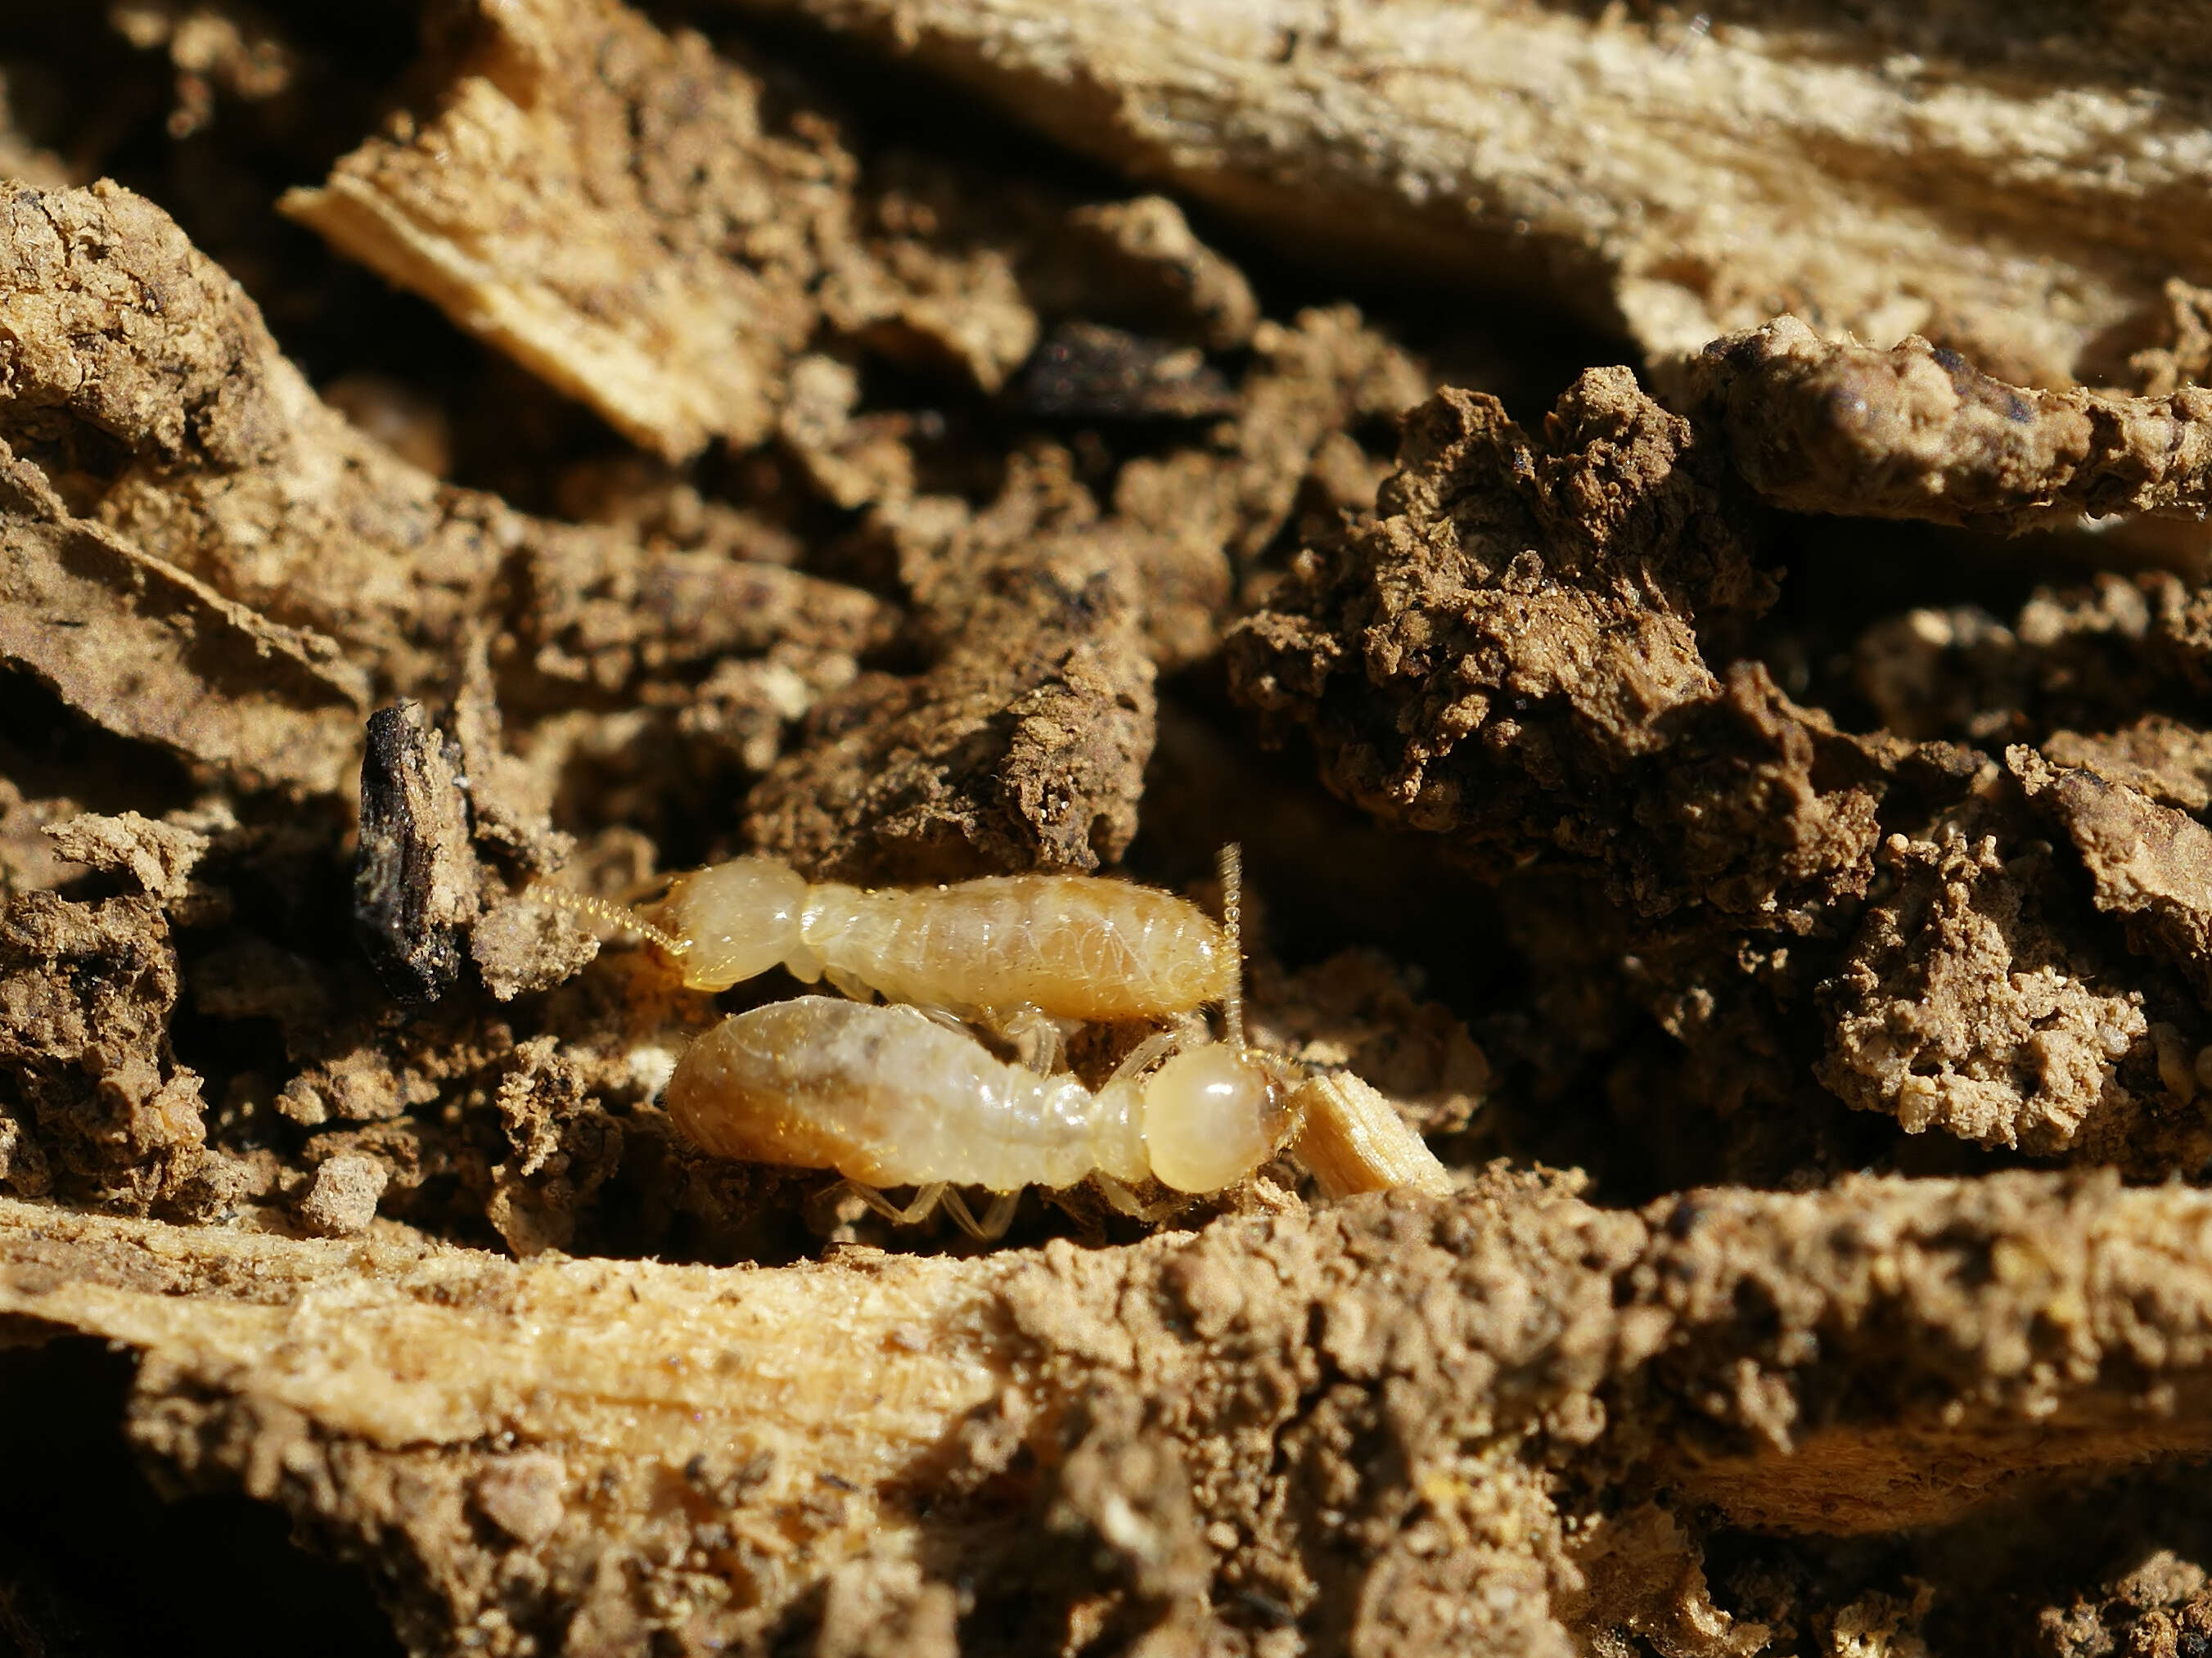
(149, 651)
(2084, 656)
(1022, 746)
(142, 382)
(1191, 512)
(141, 379)
(2117, 655)
(159, 857)
(1512, 651)
(2158, 1607)
(1515, 653)
(606, 615)
(1974, 999)
(343, 1199)
(2150, 865)
(1209, 512)
(563, 1145)
(1140, 260)
(2157, 756)
(1893, 1347)
(1361, 1406)
(95, 1105)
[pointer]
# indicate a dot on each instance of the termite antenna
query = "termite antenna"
(584, 903)
(1233, 923)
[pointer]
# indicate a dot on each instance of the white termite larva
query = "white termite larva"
(1072, 946)
(888, 1097)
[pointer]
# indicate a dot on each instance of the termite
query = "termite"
(1068, 946)
(888, 1097)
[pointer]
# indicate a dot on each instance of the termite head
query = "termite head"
(731, 921)
(1212, 1114)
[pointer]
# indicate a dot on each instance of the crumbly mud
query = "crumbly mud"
(1752, 818)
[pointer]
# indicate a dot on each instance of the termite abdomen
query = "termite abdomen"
(888, 1097)
(1076, 946)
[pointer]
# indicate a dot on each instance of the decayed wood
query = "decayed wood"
(555, 203)
(1676, 176)
(567, 1404)
(1472, 1413)
(401, 1345)
(602, 1449)
(145, 649)
(1353, 1139)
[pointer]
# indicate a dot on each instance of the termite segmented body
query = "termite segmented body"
(1073, 946)
(891, 1096)
(887, 1097)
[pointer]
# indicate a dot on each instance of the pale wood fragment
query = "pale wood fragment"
(665, 1448)
(550, 205)
(792, 1406)
(1352, 1139)
(1671, 175)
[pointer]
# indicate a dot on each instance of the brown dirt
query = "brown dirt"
(1784, 904)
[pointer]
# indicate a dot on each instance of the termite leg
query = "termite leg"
(993, 1227)
(1143, 1057)
(1035, 1035)
(925, 1199)
(1129, 1202)
(1120, 1196)
(1190, 1031)
(1038, 1042)
(849, 985)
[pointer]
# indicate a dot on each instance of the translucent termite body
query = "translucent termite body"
(888, 1097)
(1072, 946)
(892, 1096)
